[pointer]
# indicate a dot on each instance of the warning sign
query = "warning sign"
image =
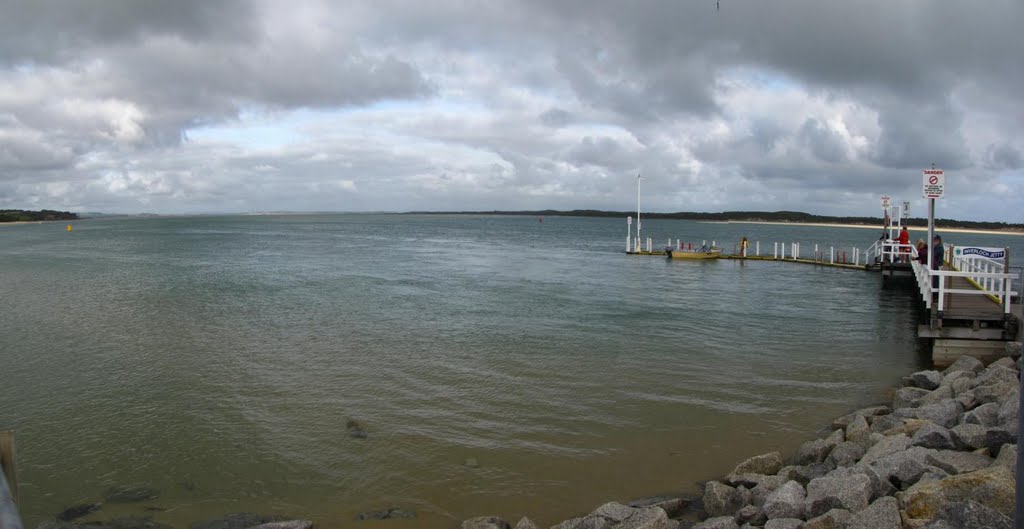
(933, 183)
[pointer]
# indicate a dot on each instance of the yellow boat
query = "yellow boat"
(703, 252)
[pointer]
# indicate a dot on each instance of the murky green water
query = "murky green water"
(220, 359)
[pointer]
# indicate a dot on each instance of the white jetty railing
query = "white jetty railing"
(990, 278)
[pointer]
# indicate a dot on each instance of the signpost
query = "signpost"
(933, 183)
(906, 209)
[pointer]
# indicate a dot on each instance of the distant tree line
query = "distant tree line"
(748, 216)
(21, 215)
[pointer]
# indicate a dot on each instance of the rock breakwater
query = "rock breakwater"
(942, 455)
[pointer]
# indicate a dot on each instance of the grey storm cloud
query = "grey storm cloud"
(223, 105)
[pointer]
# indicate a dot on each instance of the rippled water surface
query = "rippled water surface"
(223, 360)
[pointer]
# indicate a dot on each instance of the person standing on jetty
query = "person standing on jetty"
(938, 252)
(904, 240)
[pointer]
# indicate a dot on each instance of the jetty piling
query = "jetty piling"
(9, 518)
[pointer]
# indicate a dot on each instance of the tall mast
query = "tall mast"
(638, 208)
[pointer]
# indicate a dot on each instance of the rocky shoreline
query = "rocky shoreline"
(942, 455)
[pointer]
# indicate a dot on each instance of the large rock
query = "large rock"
(285, 524)
(908, 428)
(769, 484)
(718, 522)
(903, 468)
(946, 413)
(928, 380)
(237, 520)
(833, 519)
(888, 445)
(884, 513)
(786, 502)
(985, 414)
(614, 511)
(386, 514)
(784, 523)
(1008, 410)
(764, 464)
(485, 522)
(969, 514)
(803, 474)
(586, 522)
(879, 485)
(812, 452)
(933, 436)
(721, 499)
(846, 454)
(673, 507)
(992, 487)
(997, 374)
(851, 493)
(885, 422)
(845, 420)
(1008, 458)
(908, 397)
(1006, 362)
(955, 462)
(965, 363)
(995, 391)
(525, 523)
(747, 480)
(752, 515)
(858, 431)
(647, 518)
(969, 436)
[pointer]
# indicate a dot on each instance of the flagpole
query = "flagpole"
(638, 209)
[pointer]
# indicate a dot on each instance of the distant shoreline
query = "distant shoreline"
(1008, 231)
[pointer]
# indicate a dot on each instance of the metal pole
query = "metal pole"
(757, 248)
(1018, 517)
(931, 232)
(638, 208)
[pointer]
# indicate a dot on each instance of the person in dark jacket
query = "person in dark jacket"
(938, 252)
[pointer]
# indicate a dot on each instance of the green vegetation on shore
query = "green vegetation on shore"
(21, 215)
(745, 216)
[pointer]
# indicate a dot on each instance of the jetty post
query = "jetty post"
(9, 518)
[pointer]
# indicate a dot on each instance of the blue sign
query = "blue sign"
(989, 253)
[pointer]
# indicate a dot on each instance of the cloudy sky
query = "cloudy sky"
(192, 106)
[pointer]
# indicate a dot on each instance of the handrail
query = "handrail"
(9, 518)
(999, 285)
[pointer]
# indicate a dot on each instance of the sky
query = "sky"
(222, 106)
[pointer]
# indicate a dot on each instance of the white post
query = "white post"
(704, 242)
(638, 210)
(757, 248)
(775, 252)
(648, 245)
(713, 244)
(629, 231)
(783, 248)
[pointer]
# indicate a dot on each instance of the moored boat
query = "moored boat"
(703, 252)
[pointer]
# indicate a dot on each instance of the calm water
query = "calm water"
(219, 359)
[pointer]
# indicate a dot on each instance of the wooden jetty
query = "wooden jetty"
(969, 305)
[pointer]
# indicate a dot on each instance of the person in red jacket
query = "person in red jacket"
(904, 239)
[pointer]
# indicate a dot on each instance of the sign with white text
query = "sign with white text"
(988, 253)
(933, 182)
(885, 201)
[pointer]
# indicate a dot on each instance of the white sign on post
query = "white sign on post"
(885, 201)
(906, 210)
(934, 180)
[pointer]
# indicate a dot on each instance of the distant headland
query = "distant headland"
(796, 217)
(21, 215)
